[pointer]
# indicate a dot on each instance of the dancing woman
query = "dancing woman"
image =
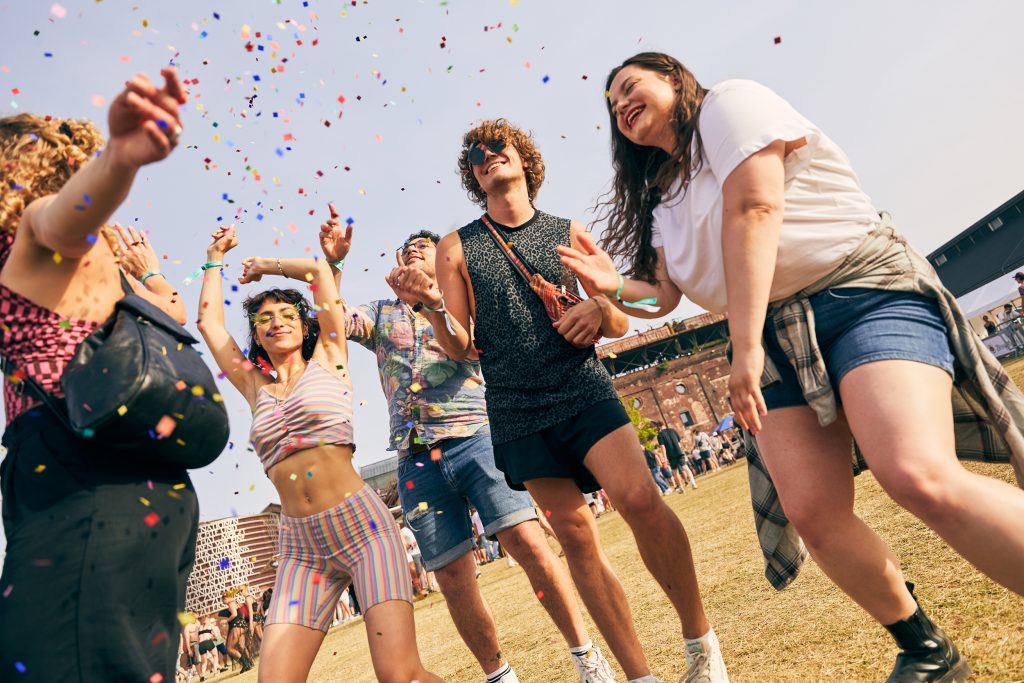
(75, 526)
(334, 528)
(729, 196)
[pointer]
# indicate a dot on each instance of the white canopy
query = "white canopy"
(991, 295)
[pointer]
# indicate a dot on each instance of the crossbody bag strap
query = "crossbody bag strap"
(56, 406)
(126, 286)
(510, 251)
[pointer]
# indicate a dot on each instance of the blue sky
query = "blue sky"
(925, 98)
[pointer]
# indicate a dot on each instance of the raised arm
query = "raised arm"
(226, 352)
(144, 127)
(330, 309)
(598, 275)
(137, 258)
(448, 303)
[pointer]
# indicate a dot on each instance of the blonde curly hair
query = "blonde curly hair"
(38, 154)
(491, 131)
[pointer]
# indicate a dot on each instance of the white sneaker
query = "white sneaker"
(704, 663)
(593, 667)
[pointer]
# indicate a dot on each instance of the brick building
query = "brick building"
(676, 374)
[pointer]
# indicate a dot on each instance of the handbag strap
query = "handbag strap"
(126, 286)
(510, 251)
(56, 406)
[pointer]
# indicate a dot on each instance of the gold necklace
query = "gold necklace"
(289, 385)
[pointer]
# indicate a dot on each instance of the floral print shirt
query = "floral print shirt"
(425, 389)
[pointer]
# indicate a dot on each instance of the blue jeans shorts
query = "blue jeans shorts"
(855, 326)
(436, 494)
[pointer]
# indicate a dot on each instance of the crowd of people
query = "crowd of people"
(673, 468)
(230, 637)
(1009, 323)
(838, 329)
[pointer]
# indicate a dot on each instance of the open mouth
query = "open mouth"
(493, 165)
(632, 115)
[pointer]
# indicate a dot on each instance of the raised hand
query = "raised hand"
(412, 285)
(253, 269)
(224, 240)
(136, 253)
(593, 267)
(334, 241)
(145, 121)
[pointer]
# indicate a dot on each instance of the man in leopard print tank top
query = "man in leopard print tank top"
(557, 425)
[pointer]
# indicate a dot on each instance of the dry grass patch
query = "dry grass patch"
(809, 632)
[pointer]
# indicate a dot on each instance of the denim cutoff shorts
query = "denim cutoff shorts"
(857, 325)
(436, 491)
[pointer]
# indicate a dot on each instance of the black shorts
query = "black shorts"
(205, 646)
(559, 450)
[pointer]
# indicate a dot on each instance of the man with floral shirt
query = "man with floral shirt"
(439, 428)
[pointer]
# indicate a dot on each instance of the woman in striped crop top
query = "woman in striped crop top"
(334, 528)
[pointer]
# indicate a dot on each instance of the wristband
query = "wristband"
(280, 269)
(212, 264)
(340, 265)
(428, 309)
(649, 305)
(149, 274)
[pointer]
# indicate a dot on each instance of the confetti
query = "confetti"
(778, 39)
(122, 410)
(151, 519)
(40, 469)
(58, 11)
(165, 426)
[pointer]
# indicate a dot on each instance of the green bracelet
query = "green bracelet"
(212, 264)
(618, 292)
(340, 265)
(146, 276)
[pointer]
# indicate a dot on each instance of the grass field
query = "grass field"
(809, 632)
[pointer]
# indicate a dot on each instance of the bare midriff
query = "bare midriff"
(315, 479)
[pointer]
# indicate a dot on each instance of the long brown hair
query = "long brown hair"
(644, 175)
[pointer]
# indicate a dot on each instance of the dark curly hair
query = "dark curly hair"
(644, 175)
(493, 130)
(310, 324)
(422, 234)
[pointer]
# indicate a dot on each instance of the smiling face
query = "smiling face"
(499, 170)
(419, 253)
(279, 327)
(643, 103)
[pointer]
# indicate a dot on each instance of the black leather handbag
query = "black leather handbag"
(138, 388)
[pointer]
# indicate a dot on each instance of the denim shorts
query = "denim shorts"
(856, 325)
(434, 496)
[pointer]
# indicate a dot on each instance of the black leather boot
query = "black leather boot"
(928, 655)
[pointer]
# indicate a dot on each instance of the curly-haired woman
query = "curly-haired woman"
(729, 196)
(334, 528)
(98, 553)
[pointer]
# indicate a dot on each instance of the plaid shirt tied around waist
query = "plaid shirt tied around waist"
(988, 409)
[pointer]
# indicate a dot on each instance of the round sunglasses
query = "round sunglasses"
(476, 155)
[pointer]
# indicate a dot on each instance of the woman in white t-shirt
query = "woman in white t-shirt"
(729, 196)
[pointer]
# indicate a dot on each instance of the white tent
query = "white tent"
(988, 296)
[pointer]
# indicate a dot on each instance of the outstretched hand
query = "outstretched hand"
(335, 242)
(412, 285)
(593, 267)
(145, 121)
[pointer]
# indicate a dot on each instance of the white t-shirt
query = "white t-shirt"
(409, 538)
(826, 212)
(478, 526)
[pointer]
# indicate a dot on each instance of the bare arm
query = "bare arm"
(457, 341)
(226, 352)
(138, 259)
(752, 211)
(144, 125)
(598, 275)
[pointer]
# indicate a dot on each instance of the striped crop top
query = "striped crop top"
(317, 413)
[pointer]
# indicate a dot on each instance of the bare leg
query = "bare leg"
(618, 461)
(811, 468)
(549, 578)
(470, 613)
(598, 586)
(288, 653)
(391, 633)
(901, 414)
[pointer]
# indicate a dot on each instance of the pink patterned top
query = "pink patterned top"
(37, 341)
